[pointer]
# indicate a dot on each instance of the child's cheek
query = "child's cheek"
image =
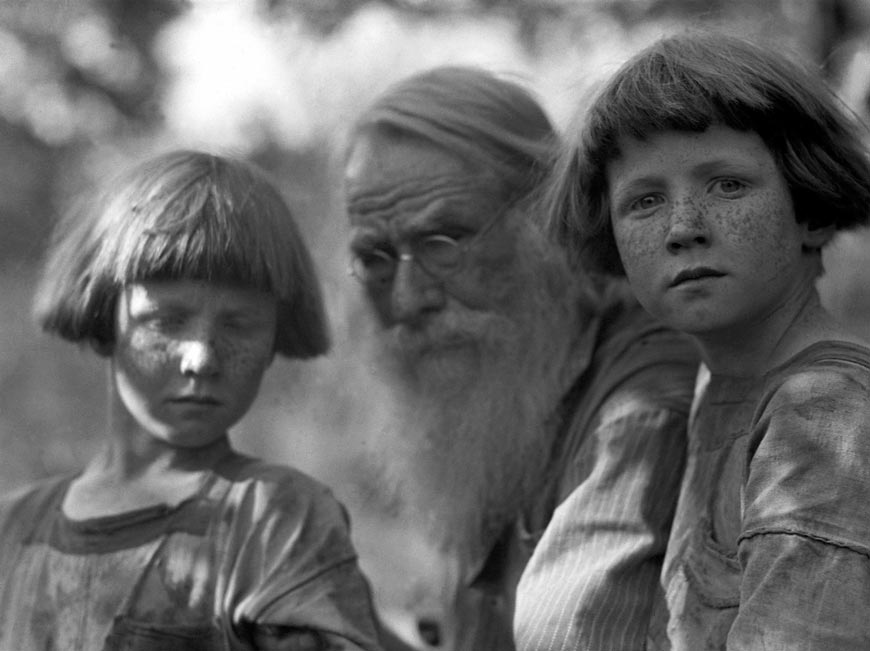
(637, 246)
(756, 234)
(146, 351)
(741, 226)
(245, 359)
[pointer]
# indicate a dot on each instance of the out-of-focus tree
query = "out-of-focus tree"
(73, 73)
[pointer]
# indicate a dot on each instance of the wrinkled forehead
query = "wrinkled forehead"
(399, 178)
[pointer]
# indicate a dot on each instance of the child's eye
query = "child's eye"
(244, 325)
(645, 202)
(239, 323)
(729, 186)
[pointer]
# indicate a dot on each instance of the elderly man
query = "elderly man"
(538, 433)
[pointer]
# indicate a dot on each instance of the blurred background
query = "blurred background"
(88, 86)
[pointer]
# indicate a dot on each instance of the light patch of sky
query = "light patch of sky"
(235, 79)
(227, 80)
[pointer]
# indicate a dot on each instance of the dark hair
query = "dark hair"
(181, 215)
(689, 82)
(485, 120)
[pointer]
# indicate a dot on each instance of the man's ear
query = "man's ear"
(815, 237)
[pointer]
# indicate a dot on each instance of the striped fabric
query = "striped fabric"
(593, 576)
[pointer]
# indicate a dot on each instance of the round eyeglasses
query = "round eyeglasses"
(437, 254)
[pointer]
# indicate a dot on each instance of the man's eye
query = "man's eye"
(375, 258)
(373, 265)
(439, 250)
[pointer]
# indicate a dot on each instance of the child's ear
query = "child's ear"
(815, 237)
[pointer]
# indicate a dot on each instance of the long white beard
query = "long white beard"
(466, 443)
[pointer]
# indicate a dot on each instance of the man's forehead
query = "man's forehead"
(384, 170)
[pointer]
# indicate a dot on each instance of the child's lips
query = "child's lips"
(695, 273)
(193, 399)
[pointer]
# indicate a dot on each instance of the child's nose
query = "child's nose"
(199, 357)
(687, 227)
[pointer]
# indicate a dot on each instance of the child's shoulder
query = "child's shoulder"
(36, 492)
(824, 367)
(826, 383)
(245, 468)
(32, 503)
(809, 448)
(282, 503)
(273, 484)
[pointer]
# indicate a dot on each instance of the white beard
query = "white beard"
(471, 429)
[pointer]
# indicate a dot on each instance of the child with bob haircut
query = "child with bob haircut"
(712, 172)
(188, 279)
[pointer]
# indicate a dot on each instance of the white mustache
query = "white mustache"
(447, 330)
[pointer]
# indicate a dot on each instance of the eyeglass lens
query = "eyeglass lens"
(437, 254)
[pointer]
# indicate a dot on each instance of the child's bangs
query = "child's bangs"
(674, 103)
(209, 240)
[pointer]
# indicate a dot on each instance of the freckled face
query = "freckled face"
(400, 191)
(189, 356)
(706, 229)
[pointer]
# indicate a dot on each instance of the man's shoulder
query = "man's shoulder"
(638, 354)
(639, 387)
(632, 335)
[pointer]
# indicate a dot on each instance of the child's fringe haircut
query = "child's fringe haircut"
(183, 215)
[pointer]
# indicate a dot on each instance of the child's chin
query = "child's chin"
(194, 438)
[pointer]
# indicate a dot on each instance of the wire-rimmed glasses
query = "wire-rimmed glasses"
(438, 254)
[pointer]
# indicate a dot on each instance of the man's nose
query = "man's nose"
(415, 291)
(687, 226)
(199, 356)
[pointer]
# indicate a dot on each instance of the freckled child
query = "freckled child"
(712, 172)
(189, 277)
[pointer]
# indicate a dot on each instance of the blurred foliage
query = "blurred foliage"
(76, 71)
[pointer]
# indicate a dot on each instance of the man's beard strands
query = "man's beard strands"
(469, 442)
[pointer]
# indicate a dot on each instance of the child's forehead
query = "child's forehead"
(192, 293)
(200, 273)
(654, 137)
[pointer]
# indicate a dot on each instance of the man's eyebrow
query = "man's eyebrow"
(367, 238)
(433, 219)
